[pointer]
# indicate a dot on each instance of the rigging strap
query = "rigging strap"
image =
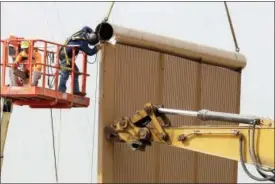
(237, 49)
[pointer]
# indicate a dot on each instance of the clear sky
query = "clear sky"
(28, 152)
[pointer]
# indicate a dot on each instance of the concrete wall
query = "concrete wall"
(133, 73)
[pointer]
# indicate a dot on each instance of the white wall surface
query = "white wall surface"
(28, 152)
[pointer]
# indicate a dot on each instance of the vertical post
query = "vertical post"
(84, 78)
(73, 71)
(4, 61)
(16, 50)
(44, 64)
(30, 61)
(57, 69)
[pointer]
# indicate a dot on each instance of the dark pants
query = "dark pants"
(65, 73)
(25, 76)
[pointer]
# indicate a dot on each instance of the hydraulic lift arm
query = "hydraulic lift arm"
(252, 143)
(5, 119)
(6, 107)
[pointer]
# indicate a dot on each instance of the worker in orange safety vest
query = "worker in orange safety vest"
(22, 58)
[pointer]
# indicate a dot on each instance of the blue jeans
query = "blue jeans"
(65, 76)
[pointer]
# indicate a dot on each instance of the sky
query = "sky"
(28, 151)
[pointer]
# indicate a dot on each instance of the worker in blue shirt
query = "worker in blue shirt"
(82, 39)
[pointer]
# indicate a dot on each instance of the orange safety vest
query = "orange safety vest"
(23, 58)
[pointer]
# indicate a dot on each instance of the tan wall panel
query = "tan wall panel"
(180, 87)
(136, 83)
(213, 169)
(176, 165)
(179, 92)
(131, 77)
(219, 91)
(132, 166)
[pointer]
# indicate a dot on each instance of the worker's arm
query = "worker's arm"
(84, 47)
(18, 60)
(87, 29)
(37, 57)
(222, 141)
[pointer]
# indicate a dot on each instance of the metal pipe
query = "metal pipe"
(178, 112)
(206, 115)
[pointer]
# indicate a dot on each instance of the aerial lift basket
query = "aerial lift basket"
(42, 95)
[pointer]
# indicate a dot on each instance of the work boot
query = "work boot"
(80, 94)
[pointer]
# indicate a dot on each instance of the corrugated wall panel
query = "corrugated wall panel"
(136, 82)
(219, 92)
(213, 169)
(179, 92)
(180, 87)
(134, 76)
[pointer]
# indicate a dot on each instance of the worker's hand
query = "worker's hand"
(14, 66)
(99, 46)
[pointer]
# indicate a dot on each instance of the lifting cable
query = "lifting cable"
(54, 152)
(50, 84)
(51, 114)
(93, 139)
(237, 49)
(59, 19)
(59, 137)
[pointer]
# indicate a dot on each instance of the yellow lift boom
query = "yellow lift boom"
(251, 143)
(6, 108)
(5, 119)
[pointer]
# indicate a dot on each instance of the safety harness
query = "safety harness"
(76, 36)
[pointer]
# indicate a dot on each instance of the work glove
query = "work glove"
(14, 66)
(99, 46)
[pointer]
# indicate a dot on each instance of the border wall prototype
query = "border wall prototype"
(142, 68)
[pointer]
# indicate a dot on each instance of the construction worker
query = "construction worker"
(22, 57)
(82, 39)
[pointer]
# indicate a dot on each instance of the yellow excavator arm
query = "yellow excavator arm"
(252, 142)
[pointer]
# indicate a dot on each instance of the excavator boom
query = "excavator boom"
(251, 143)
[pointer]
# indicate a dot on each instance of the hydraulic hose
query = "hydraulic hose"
(266, 178)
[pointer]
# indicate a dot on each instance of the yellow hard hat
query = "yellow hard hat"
(25, 44)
